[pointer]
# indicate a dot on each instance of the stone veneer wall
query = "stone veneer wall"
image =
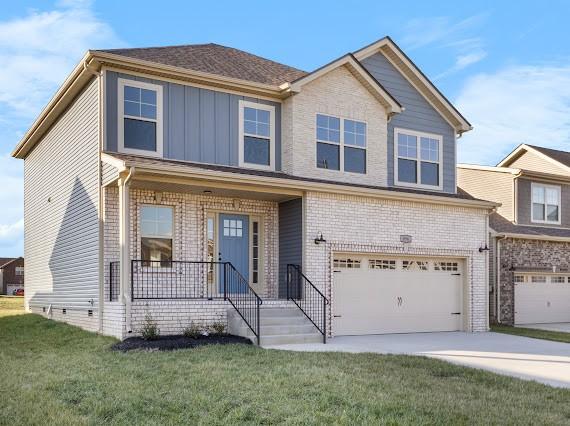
(358, 224)
(520, 253)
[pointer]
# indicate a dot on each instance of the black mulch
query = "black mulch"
(170, 343)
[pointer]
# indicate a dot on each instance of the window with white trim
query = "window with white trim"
(257, 135)
(157, 223)
(545, 203)
(341, 144)
(19, 270)
(417, 159)
(140, 117)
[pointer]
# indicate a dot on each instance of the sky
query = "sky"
(504, 64)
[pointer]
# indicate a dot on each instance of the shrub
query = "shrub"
(149, 330)
(193, 331)
(218, 327)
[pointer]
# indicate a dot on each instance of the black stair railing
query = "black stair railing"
(308, 298)
(242, 297)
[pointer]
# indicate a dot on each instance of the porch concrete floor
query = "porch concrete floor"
(530, 359)
(555, 326)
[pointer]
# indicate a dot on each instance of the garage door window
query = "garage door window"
(446, 266)
(519, 279)
(382, 264)
(557, 280)
(538, 279)
(414, 265)
(347, 263)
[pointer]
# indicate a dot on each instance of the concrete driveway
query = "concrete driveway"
(530, 359)
(553, 326)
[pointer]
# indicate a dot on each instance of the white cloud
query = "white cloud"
(37, 51)
(518, 104)
(442, 33)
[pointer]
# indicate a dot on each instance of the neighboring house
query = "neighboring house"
(11, 274)
(530, 233)
(203, 183)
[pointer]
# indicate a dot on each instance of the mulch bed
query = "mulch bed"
(170, 343)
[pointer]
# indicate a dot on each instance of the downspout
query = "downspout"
(100, 213)
(498, 280)
(125, 247)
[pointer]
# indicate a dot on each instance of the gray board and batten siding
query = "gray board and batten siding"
(199, 124)
(290, 239)
(418, 115)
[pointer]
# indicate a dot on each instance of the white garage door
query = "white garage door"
(11, 287)
(376, 295)
(541, 298)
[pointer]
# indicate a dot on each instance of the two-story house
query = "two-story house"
(11, 275)
(204, 183)
(530, 233)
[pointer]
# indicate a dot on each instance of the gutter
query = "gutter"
(498, 280)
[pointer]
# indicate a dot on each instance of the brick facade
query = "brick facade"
(338, 94)
(521, 253)
(357, 224)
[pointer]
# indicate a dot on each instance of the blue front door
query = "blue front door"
(234, 247)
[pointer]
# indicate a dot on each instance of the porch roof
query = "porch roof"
(207, 176)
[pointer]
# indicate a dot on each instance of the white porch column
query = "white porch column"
(124, 246)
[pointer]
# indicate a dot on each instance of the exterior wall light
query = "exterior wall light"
(320, 239)
(482, 249)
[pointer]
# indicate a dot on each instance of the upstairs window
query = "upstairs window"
(545, 203)
(140, 118)
(19, 270)
(417, 159)
(156, 235)
(341, 144)
(257, 135)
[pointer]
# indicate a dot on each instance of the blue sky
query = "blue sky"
(505, 65)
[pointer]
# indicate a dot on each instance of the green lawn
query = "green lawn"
(58, 374)
(556, 336)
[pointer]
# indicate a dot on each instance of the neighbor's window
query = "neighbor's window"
(156, 235)
(19, 270)
(418, 159)
(545, 203)
(341, 144)
(140, 117)
(257, 141)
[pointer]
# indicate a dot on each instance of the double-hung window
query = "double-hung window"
(257, 135)
(417, 159)
(341, 144)
(156, 235)
(140, 117)
(545, 203)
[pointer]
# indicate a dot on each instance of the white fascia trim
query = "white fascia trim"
(524, 147)
(418, 159)
(296, 86)
(489, 168)
(271, 109)
(121, 83)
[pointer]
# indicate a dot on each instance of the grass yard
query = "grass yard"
(11, 305)
(57, 374)
(556, 336)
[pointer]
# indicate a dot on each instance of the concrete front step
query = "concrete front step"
(278, 326)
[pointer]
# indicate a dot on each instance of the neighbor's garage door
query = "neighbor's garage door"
(376, 295)
(541, 298)
(11, 287)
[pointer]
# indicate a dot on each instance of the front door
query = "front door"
(234, 246)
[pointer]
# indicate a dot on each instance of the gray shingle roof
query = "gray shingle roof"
(502, 225)
(560, 156)
(216, 59)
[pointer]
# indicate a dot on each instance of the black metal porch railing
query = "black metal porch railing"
(308, 298)
(191, 280)
(114, 281)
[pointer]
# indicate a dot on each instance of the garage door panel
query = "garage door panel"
(377, 301)
(542, 302)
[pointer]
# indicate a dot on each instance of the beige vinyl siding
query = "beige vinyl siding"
(108, 173)
(531, 161)
(61, 211)
(491, 186)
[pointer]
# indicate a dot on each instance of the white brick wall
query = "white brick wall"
(340, 94)
(357, 224)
